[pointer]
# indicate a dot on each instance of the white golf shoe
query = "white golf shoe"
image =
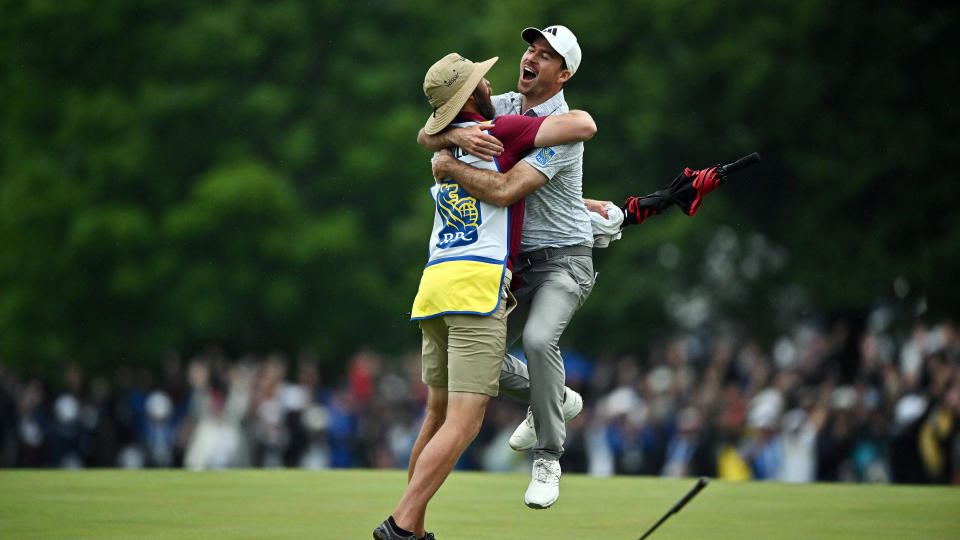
(525, 436)
(544, 488)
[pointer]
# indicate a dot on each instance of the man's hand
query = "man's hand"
(475, 141)
(599, 207)
(440, 163)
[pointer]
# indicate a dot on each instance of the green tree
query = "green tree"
(244, 173)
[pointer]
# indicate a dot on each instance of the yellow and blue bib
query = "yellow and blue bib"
(468, 251)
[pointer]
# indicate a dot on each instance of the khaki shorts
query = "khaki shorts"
(464, 352)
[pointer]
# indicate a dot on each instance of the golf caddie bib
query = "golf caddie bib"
(469, 247)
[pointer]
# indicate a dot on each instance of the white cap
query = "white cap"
(561, 39)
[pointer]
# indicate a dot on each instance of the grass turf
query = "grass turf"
(350, 503)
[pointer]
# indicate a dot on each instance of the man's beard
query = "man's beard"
(484, 105)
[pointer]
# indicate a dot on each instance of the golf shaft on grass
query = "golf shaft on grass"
(701, 483)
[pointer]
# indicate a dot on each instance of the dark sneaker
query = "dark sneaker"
(385, 532)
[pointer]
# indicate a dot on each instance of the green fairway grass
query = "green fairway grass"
(350, 503)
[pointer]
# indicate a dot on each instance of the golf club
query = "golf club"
(740, 163)
(701, 483)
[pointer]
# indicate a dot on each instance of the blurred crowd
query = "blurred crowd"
(820, 404)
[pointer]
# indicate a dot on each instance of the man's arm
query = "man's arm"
(501, 189)
(474, 140)
(574, 126)
(504, 189)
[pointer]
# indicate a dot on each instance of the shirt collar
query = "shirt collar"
(547, 108)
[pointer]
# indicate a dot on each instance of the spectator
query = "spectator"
(219, 404)
(799, 445)
(826, 402)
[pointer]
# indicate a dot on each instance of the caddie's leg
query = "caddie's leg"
(434, 373)
(463, 419)
(434, 417)
(474, 347)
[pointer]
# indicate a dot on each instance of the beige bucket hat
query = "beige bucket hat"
(448, 84)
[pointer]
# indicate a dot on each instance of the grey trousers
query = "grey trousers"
(552, 291)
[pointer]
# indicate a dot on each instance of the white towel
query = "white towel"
(606, 230)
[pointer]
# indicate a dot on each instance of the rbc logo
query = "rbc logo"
(461, 217)
(544, 155)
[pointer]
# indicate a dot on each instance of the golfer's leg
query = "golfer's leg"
(435, 414)
(551, 309)
(464, 417)
(514, 379)
(514, 375)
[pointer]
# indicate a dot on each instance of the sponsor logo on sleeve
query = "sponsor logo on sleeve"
(544, 155)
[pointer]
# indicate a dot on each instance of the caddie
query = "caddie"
(555, 264)
(464, 296)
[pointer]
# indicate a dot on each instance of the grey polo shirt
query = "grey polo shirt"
(555, 215)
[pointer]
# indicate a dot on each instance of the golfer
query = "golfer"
(555, 264)
(464, 296)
